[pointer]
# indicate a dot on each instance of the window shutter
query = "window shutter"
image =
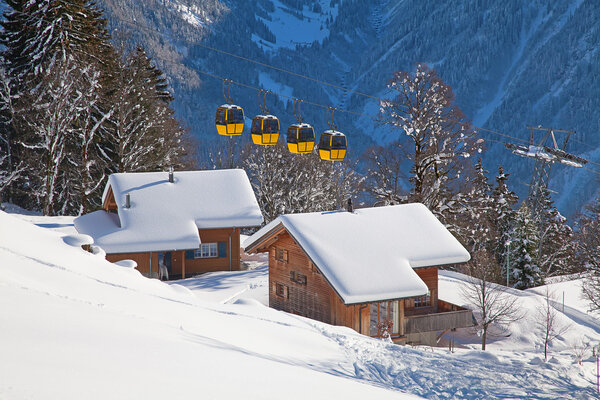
(189, 254)
(286, 292)
(285, 256)
(222, 249)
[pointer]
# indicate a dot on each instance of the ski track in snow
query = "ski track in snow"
(454, 377)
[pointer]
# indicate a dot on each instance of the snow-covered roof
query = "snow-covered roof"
(369, 254)
(333, 133)
(166, 216)
(230, 106)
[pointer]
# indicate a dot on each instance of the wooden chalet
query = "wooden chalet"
(374, 270)
(177, 224)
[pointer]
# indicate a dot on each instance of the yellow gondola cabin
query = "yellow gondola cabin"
(230, 120)
(332, 146)
(301, 138)
(265, 130)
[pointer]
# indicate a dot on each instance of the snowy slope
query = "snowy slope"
(77, 326)
(77, 322)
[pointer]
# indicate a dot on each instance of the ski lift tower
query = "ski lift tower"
(545, 154)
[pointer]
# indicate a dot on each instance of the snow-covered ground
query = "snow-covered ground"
(76, 326)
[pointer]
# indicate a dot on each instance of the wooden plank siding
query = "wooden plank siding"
(429, 275)
(311, 299)
(142, 260)
(109, 201)
(182, 266)
(296, 286)
(201, 265)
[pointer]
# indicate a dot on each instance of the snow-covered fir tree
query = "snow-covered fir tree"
(142, 132)
(504, 216)
(41, 34)
(556, 244)
(473, 222)
(10, 168)
(59, 110)
(523, 250)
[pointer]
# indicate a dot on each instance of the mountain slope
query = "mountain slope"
(511, 64)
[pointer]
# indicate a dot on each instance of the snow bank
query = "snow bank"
(76, 325)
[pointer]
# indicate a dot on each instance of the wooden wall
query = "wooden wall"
(312, 299)
(193, 266)
(316, 299)
(142, 260)
(429, 275)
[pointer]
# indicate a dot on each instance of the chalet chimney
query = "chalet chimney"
(171, 174)
(127, 201)
(349, 206)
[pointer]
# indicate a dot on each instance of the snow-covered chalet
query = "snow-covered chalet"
(183, 222)
(374, 270)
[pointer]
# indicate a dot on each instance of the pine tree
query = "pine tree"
(474, 224)
(10, 168)
(41, 34)
(556, 247)
(143, 133)
(49, 46)
(524, 247)
(504, 216)
(51, 122)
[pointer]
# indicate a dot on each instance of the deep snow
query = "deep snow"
(76, 326)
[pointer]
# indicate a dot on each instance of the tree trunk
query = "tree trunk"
(483, 338)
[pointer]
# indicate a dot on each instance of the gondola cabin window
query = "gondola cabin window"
(338, 142)
(423, 301)
(206, 250)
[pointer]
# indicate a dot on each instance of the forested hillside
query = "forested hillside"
(510, 64)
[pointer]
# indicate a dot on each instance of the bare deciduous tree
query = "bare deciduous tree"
(441, 140)
(386, 174)
(547, 321)
(492, 302)
(587, 239)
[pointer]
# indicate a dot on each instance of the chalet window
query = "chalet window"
(384, 318)
(281, 290)
(298, 278)
(282, 255)
(206, 250)
(423, 301)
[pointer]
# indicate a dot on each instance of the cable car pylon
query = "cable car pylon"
(544, 156)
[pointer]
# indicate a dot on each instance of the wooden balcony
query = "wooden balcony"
(448, 316)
